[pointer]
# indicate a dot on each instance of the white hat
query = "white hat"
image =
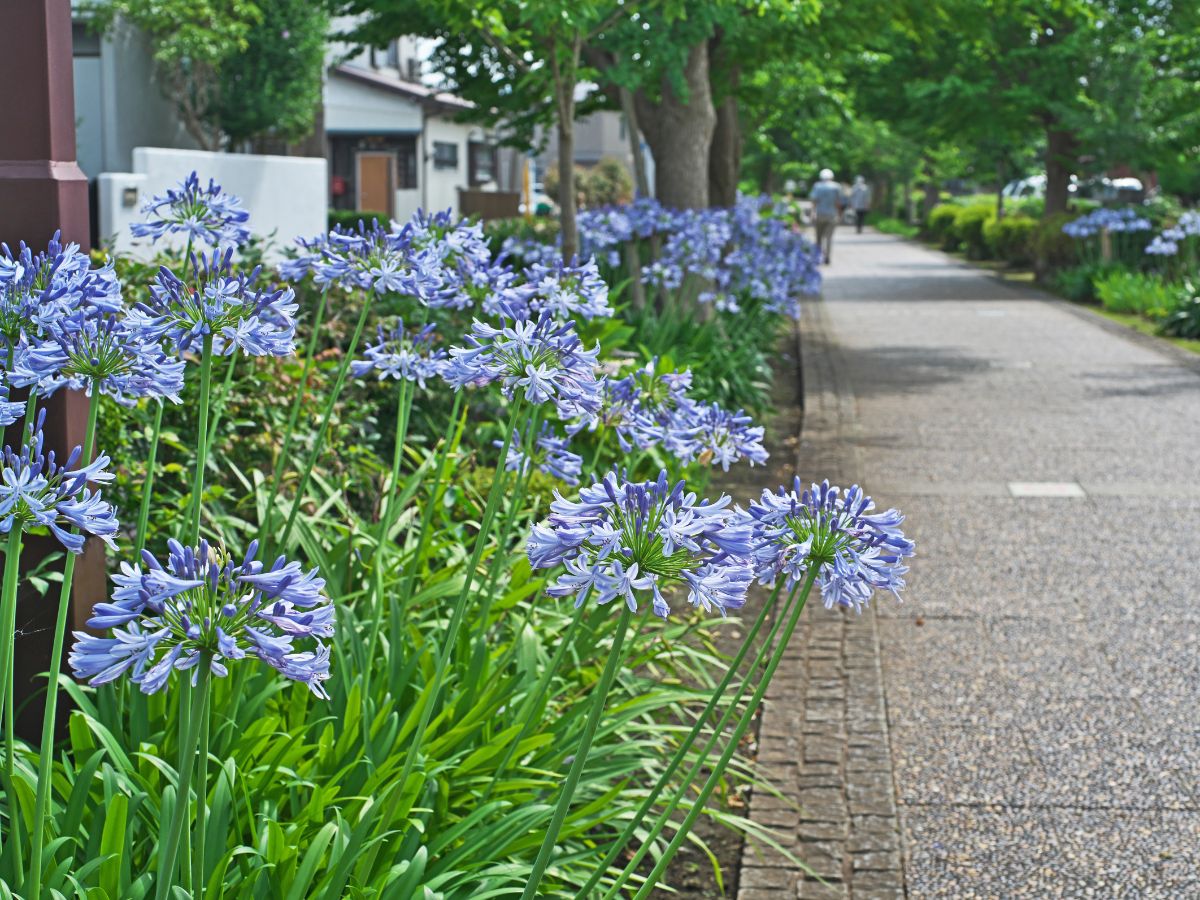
(827, 174)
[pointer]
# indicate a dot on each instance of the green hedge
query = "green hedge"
(349, 218)
(940, 225)
(968, 229)
(1011, 239)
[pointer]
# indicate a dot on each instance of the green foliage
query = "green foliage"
(939, 226)
(234, 69)
(272, 85)
(606, 183)
(1077, 283)
(1184, 320)
(889, 225)
(967, 230)
(1011, 239)
(1052, 249)
(1132, 292)
(349, 218)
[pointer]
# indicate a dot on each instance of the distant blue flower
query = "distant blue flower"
(401, 354)
(568, 292)
(220, 302)
(709, 433)
(626, 540)
(856, 551)
(550, 454)
(1162, 246)
(94, 350)
(382, 262)
(206, 215)
(204, 605)
(543, 359)
(36, 491)
(642, 406)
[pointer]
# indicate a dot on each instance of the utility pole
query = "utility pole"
(42, 189)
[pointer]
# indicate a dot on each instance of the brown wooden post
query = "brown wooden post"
(42, 189)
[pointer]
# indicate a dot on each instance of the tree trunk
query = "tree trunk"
(679, 130)
(725, 154)
(1000, 189)
(564, 91)
(641, 181)
(1060, 149)
(908, 201)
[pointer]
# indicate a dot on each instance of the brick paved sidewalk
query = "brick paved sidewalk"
(1026, 724)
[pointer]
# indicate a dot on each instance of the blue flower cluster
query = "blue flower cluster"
(625, 540)
(747, 251)
(202, 608)
(621, 539)
(36, 491)
(206, 215)
(550, 454)
(856, 550)
(1166, 243)
(543, 358)
(403, 355)
(1126, 219)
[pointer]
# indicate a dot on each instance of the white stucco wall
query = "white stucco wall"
(286, 196)
(351, 107)
(441, 185)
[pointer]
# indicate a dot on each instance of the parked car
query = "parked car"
(1033, 186)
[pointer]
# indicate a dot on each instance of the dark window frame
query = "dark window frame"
(445, 155)
(478, 151)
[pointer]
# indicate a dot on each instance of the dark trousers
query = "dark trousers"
(860, 218)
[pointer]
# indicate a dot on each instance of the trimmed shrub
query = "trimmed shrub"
(1077, 283)
(968, 229)
(349, 218)
(940, 223)
(1011, 239)
(1051, 248)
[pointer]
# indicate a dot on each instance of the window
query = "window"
(481, 163)
(445, 155)
(393, 54)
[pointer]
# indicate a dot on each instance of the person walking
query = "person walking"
(826, 197)
(860, 202)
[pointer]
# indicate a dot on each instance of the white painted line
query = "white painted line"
(1056, 489)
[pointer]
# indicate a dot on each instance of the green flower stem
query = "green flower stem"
(285, 449)
(193, 527)
(602, 436)
(453, 436)
(460, 607)
(581, 754)
(734, 741)
(8, 621)
(718, 695)
(46, 751)
(198, 872)
(148, 486)
(189, 742)
(387, 514)
(218, 409)
(534, 700)
(322, 431)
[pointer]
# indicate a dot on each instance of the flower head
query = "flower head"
(707, 432)
(206, 215)
(568, 292)
(550, 454)
(96, 350)
(543, 359)
(219, 302)
(36, 491)
(400, 354)
(626, 540)
(855, 550)
(204, 607)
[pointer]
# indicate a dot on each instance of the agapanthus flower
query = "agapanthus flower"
(36, 491)
(709, 433)
(550, 454)
(542, 359)
(643, 406)
(206, 215)
(373, 259)
(39, 289)
(204, 607)
(401, 354)
(1162, 245)
(632, 540)
(456, 240)
(855, 550)
(94, 350)
(568, 292)
(10, 410)
(220, 302)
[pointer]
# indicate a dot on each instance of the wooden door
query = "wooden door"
(376, 182)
